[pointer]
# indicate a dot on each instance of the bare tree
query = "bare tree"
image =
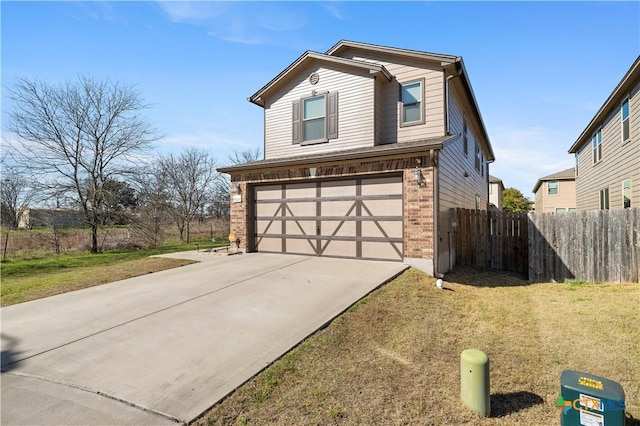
(79, 136)
(153, 204)
(220, 200)
(188, 181)
(15, 194)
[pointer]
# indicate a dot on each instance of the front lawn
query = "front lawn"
(394, 357)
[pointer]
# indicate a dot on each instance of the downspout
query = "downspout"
(436, 209)
(446, 99)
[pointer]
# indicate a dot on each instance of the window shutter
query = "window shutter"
(296, 122)
(332, 115)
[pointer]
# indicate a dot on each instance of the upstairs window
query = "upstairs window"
(626, 194)
(412, 104)
(478, 156)
(596, 144)
(624, 114)
(552, 187)
(315, 119)
(576, 164)
(604, 199)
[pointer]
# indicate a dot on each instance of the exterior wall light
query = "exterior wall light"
(237, 188)
(417, 175)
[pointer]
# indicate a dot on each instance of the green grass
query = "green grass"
(29, 279)
(79, 260)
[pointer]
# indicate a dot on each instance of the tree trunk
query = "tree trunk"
(94, 238)
(188, 232)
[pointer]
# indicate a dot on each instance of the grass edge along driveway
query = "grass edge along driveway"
(393, 358)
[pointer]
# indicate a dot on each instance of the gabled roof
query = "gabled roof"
(448, 61)
(306, 57)
(619, 93)
(493, 179)
(405, 148)
(436, 57)
(569, 174)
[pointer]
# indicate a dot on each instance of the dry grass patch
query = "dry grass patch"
(394, 357)
(20, 288)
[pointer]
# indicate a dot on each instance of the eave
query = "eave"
(375, 152)
(622, 89)
(374, 69)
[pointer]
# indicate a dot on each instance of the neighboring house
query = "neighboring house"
(38, 218)
(608, 150)
(496, 188)
(367, 151)
(556, 193)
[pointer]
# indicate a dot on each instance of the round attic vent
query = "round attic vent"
(314, 78)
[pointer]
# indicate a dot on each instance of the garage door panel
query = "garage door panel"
(383, 251)
(382, 208)
(300, 190)
(343, 188)
(273, 227)
(269, 244)
(337, 208)
(301, 209)
(338, 228)
(376, 186)
(301, 227)
(301, 246)
(382, 229)
(339, 248)
(268, 210)
(270, 192)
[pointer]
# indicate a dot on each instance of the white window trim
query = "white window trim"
(628, 100)
(422, 111)
(596, 153)
(602, 199)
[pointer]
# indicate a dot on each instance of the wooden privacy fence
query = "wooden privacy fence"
(598, 245)
(492, 239)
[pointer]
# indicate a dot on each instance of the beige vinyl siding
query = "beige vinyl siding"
(619, 161)
(407, 70)
(566, 198)
(495, 195)
(379, 112)
(355, 111)
(454, 189)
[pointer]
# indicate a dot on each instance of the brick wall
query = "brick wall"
(418, 199)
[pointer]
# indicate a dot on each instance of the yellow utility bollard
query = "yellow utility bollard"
(474, 381)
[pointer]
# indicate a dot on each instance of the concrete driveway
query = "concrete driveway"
(163, 348)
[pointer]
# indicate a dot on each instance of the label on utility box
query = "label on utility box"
(587, 418)
(591, 402)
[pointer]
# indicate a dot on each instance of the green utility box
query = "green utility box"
(588, 400)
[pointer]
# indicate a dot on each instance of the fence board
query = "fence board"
(492, 239)
(593, 246)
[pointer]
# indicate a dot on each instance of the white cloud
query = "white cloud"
(192, 12)
(523, 155)
(334, 10)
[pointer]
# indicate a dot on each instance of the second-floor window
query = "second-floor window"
(596, 144)
(604, 199)
(315, 118)
(412, 105)
(478, 155)
(624, 114)
(552, 187)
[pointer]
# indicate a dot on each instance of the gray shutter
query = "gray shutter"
(296, 122)
(332, 115)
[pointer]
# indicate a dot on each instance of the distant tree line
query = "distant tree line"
(85, 146)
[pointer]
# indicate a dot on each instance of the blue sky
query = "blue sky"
(540, 70)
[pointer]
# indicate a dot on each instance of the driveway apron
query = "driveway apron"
(167, 346)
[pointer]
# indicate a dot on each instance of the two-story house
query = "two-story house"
(556, 193)
(608, 150)
(496, 188)
(367, 151)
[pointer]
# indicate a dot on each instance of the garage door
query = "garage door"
(356, 218)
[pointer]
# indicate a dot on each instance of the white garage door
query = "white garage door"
(356, 218)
